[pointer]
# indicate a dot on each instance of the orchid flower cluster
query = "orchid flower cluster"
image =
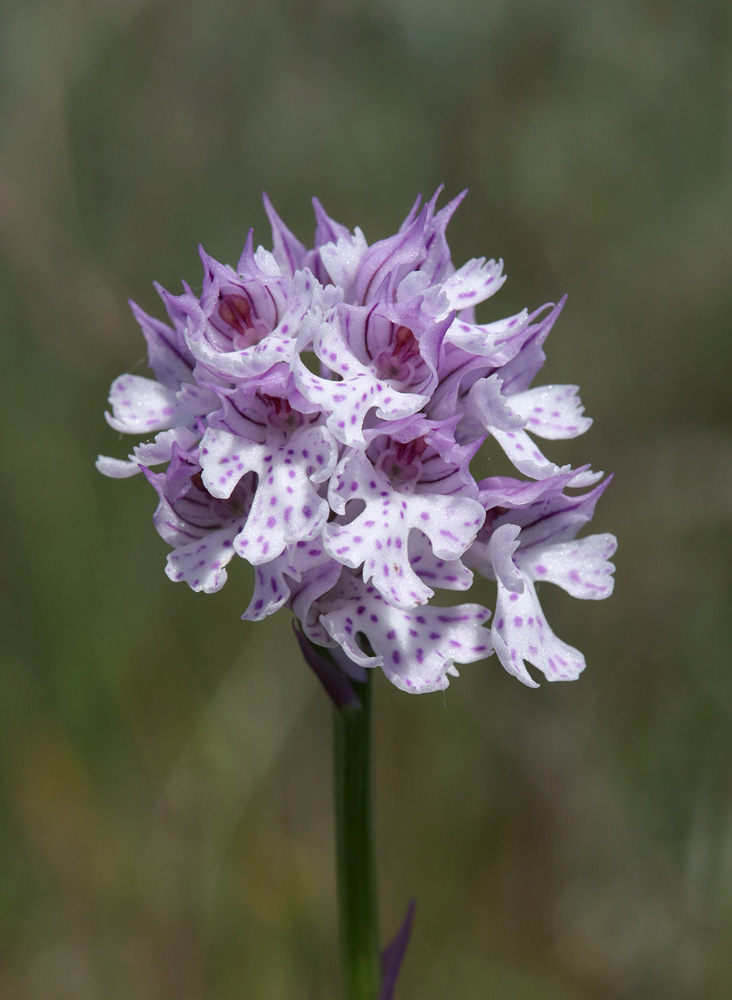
(315, 412)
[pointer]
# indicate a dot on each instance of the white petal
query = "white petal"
(501, 547)
(303, 572)
(160, 449)
(379, 537)
(552, 411)
(450, 574)
(141, 405)
(580, 567)
(117, 468)
(270, 589)
(416, 649)
(529, 460)
(222, 457)
(472, 283)
(201, 563)
(487, 404)
(267, 263)
(349, 400)
(520, 633)
(341, 259)
(497, 342)
(286, 507)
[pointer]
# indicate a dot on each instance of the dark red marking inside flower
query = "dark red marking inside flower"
(398, 361)
(236, 311)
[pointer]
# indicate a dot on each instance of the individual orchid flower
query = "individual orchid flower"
(379, 537)
(166, 406)
(520, 631)
(417, 649)
(243, 324)
(385, 358)
(534, 541)
(290, 453)
(200, 528)
(548, 411)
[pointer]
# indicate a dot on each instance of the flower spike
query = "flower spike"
(315, 411)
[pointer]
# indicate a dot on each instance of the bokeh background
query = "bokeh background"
(165, 817)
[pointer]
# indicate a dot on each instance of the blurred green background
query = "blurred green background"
(165, 817)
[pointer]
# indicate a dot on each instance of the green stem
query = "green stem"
(357, 898)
